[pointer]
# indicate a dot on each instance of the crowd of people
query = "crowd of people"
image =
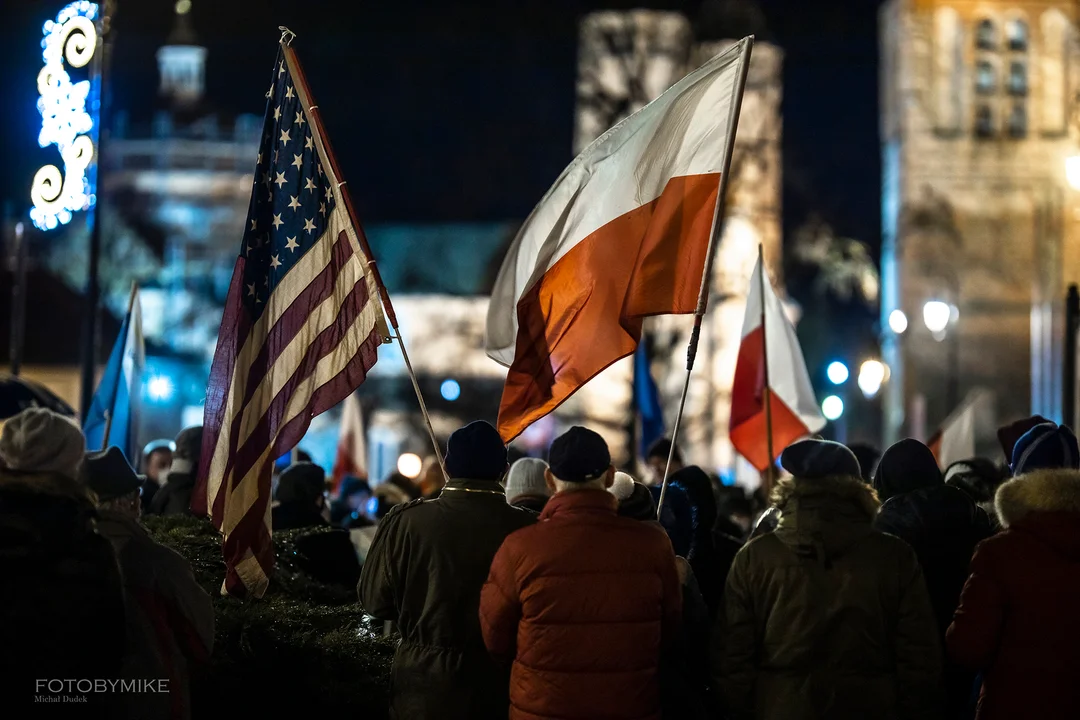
(861, 586)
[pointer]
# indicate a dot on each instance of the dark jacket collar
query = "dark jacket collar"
(599, 502)
(464, 488)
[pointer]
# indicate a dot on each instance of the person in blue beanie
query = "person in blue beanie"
(1047, 446)
(424, 571)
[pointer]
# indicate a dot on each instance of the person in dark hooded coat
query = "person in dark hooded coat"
(827, 617)
(174, 497)
(301, 498)
(943, 526)
(711, 551)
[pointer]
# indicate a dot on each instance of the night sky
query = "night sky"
(463, 111)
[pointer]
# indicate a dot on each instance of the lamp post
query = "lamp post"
(938, 316)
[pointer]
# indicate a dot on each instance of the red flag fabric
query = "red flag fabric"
(351, 457)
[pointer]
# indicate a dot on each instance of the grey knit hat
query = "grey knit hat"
(40, 440)
(526, 477)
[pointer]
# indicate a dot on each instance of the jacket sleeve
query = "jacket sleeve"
(191, 612)
(500, 605)
(377, 582)
(918, 647)
(975, 632)
(672, 604)
(735, 644)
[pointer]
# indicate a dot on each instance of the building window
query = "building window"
(984, 122)
(985, 77)
(1017, 33)
(986, 35)
(1018, 121)
(1018, 81)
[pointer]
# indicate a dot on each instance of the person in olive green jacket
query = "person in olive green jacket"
(826, 617)
(424, 570)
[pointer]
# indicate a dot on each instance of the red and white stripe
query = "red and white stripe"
(309, 349)
(793, 407)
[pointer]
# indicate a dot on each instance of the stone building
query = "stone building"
(625, 60)
(977, 104)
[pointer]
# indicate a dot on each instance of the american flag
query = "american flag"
(301, 328)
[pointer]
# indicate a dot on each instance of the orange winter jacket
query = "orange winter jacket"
(583, 603)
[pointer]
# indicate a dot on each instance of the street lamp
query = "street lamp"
(898, 321)
(871, 376)
(837, 372)
(1072, 171)
(832, 408)
(936, 315)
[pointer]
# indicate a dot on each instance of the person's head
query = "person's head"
(1047, 446)
(579, 459)
(113, 481)
(303, 485)
(385, 498)
(868, 457)
(813, 459)
(157, 458)
(476, 452)
(905, 467)
(979, 478)
(699, 490)
(1010, 434)
(38, 440)
(354, 492)
(527, 479)
(431, 479)
(635, 500)
(736, 507)
(188, 451)
(657, 456)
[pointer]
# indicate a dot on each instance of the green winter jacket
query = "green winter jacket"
(826, 618)
(424, 571)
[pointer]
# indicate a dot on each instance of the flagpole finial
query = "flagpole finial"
(287, 35)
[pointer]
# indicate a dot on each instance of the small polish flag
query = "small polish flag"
(770, 358)
(955, 439)
(351, 458)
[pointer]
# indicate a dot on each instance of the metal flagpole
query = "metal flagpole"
(323, 140)
(110, 410)
(710, 256)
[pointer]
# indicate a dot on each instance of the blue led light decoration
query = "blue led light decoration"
(67, 116)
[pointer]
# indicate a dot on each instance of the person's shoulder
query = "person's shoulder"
(407, 512)
(884, 544)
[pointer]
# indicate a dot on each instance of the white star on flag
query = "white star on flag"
(308, 144)
(280, 180)
(277, 222)
(310, 185)
(274, 262)
(299, 118)
(293, 202)
(252, 223)
(309, 226)
(291, 244)
(285, 137)
(298, 160)
(289, 93)
(277, 113)
(251, 289)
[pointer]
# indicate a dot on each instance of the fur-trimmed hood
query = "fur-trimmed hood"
(1040, 491)
(1045, 503)
(831, 512)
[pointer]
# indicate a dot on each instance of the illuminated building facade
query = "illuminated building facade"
(977, 125)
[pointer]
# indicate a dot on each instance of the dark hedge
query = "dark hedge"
(304, 647)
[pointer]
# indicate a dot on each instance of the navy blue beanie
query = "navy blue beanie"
(811, 459)
(476, 452)
(1045, 446)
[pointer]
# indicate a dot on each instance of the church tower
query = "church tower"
(182, 61)
(978, 219)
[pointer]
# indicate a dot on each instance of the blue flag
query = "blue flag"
(117, 392)
(647, 400)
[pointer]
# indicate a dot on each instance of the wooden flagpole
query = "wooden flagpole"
(747, 45)
(116, 388)
(323, 140)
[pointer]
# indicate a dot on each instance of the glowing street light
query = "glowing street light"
(1072, 171)
(837, 372)
(159, 388)
(871, 376)
(832, 407)
(898, 321)
(936, 315)
(450, 390)
(410, 465)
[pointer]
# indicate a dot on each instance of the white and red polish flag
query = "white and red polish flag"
(622, 234)
(794, 408)
(351, 457)
(301, 328)
(955, 439)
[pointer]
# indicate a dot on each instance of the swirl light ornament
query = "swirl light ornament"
(66, 119)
